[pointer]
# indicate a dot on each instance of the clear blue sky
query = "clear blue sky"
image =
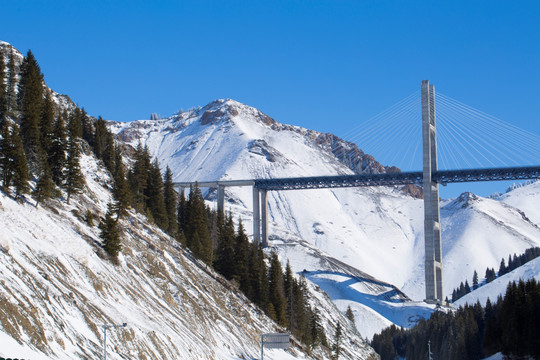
(324, 65)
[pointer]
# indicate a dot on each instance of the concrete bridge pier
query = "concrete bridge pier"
(256, 216)
(264, 217)
(432, 224)
(221, 197)
(260, 216)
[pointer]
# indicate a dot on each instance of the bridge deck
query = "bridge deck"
(404, 178)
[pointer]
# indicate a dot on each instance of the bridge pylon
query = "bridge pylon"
(432, 224)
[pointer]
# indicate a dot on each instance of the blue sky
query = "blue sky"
(324, 65)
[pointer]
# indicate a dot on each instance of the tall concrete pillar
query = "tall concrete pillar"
(264, 217)
(256, 216)
(221, 198)
(432, 227)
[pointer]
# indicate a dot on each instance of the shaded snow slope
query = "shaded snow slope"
(56, 290)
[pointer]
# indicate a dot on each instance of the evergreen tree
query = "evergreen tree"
(502, 268)
(31, 105)
(277, 290)
(182, 216)
(154, 196)
(197, 232)
(100, 141)
(224, 259)
(467, 287)
(58, 149)
(475, 280)
(3, 89)
(110, 233)
(108, 154)
(258, 279)
(45, 188)
(241, 258)
(336, 346)
(121, 191)
(46, 124)
(170, 203)
(87, 131)
(138, 176)
(6, 164)
(20, 166)
(74, 180)
(349, 314)
(11, 98)
(74, 123)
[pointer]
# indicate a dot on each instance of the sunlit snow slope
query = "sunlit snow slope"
(57, 288)
(376, 230)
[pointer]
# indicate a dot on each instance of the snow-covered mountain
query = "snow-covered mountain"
(378, 231)
(57, 289)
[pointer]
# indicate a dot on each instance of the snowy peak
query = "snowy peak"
(464, 201)
(222, 110)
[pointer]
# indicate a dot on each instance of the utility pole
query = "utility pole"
(105, 327)
(430, 355)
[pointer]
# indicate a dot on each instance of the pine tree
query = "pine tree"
(182, 214)
(138, 176)
(74, 124)
(241, 258)
(45, 188)
(258, 278)
(58, 149)
(21, 175)
(349, 314)
(171, 201)
(197, 232)
(3, 88)
(5, 145)
(110, 233)
(99, 141)
(224, 259)
(87, 132)
(121, 191)
(31, 105)
(46, 124)
(336, 345)
(108, 155)
(502, 268)
(475, 280)
(11, 90)
(154, 196)
(277, 290)
(74, 180)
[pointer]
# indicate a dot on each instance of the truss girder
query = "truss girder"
(403, 178)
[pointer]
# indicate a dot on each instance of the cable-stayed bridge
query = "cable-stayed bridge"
(429, 178)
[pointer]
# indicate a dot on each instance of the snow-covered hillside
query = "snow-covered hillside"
(492, 290)
(57, 289)
(376, 230)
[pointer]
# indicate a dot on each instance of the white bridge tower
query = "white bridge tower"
(432, 224)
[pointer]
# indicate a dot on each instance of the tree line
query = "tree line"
(513, 263)
(511, 325)
(37, 141)
(41, 144)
